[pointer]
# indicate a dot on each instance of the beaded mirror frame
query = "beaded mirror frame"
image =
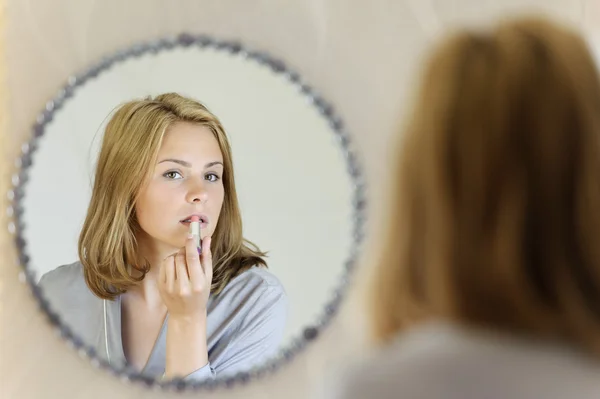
(16, 194)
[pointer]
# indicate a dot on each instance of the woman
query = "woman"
(489, 282)
(141, 294)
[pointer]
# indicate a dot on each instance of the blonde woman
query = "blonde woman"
(141, 294)
(489, 282)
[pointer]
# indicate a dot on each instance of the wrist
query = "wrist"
(187, 319)
(186, 344)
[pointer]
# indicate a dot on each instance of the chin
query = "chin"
(169, 248)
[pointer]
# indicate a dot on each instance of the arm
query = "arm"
(186, 346)
(184, 285)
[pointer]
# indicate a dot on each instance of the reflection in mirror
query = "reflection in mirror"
(188, 213)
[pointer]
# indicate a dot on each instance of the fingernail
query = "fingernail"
(190, 236)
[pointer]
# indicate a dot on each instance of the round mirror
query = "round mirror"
(179, 145)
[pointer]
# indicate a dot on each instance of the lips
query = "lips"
(203, 218)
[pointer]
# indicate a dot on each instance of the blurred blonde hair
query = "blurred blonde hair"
(495, 216)
(130, 146)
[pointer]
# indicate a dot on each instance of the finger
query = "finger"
(169, 266)
(193, 261)
(206, 258)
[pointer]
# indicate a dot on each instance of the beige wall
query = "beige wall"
(359, 54)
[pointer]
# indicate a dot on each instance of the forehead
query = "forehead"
(189, 140)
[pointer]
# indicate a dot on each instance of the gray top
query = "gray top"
(442, 360)
(245, 322)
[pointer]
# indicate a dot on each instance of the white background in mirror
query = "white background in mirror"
(291, 176)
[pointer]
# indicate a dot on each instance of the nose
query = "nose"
(197, 192)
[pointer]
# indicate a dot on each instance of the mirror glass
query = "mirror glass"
(296, 201)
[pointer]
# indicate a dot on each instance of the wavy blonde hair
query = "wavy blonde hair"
(130, 146)
(495, 216)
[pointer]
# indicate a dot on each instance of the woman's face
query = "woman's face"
(186, 181)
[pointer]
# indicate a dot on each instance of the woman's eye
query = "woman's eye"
(172, 175)
(212, 177)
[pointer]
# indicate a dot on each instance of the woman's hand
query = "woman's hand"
(184, 284)
(185, 279)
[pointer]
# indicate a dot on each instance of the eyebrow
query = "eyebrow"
(189, 165)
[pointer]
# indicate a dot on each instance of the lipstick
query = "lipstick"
(195, 231)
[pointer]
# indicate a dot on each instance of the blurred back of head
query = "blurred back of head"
(495, 217)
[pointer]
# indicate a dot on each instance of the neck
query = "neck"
(147, 290)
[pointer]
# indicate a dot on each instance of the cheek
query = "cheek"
(143, 211)
(160, 195)
(153, 203)
(217, 209)
(219, 196)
